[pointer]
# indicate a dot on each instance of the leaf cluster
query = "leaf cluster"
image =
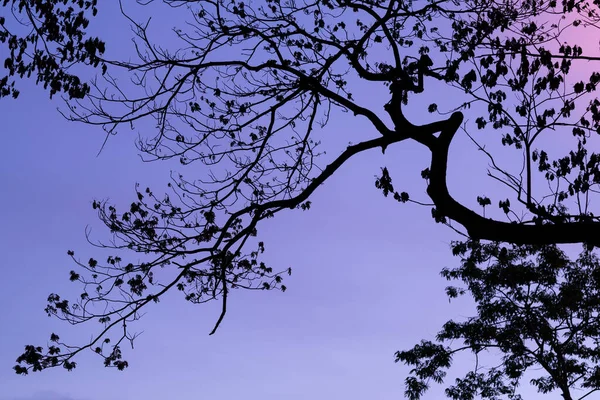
(53, 40)
(536, 310)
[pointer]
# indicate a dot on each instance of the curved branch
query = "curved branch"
(479, 227)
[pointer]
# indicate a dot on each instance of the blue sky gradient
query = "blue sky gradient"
(365, 279)
(363, 285)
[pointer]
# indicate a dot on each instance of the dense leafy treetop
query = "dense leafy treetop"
(537, 319)
(54, 39)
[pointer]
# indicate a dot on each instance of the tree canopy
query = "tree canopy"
(536, 311)
(54, 38)
(247, 89)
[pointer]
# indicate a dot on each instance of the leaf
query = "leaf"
(483, 201)
(468, 80)
(73, 276)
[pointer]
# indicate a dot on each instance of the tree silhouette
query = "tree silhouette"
(250, 86)
(53, 40)
(536, 310)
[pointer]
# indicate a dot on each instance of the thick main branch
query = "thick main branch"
(479, 227)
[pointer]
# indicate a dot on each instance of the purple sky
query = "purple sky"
(365, 284)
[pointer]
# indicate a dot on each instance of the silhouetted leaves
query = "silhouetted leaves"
(251, 119)
(56, 40)
(536, 310)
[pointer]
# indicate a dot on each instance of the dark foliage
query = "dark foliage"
(246, 95)
(537, 318)
(54, 40)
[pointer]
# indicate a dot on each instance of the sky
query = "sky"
(366, 272)
(365, 284)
